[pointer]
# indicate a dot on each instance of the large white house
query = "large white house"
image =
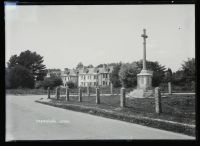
(94, 76)
(86, 76)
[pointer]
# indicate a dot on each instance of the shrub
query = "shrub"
(71, 84)
(51, 82)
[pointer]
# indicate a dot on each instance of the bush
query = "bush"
(38, 84)
(51, 82)
(71, 85)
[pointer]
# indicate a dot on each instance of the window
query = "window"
(106, 75)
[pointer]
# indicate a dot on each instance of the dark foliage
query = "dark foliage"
(114, 76)
(51, 82)
(71, 85)
(19, 76)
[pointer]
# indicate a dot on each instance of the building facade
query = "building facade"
(86, 76)
(94, 76)
(69, 75)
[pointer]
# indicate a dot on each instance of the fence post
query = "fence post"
(48, 92)
(80, 94)
(57, 93)
(111, 89)
(67, 93)
(122, 97)
(88, 90)
(169, 88)
(158, 107)
(97, 95)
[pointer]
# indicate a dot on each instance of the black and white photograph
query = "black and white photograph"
(100, 72)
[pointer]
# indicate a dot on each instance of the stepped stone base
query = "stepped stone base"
(140, 93)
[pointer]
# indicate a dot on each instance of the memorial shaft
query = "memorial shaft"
(144, 48)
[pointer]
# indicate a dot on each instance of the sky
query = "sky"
(93, 34)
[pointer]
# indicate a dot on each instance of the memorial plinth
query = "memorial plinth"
(144, 80)
(144, 85)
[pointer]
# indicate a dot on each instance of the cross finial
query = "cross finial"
(144, 34)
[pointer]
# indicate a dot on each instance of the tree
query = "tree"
(31, 61)
(55, 72)
(186, 75)
(101, 65)
(188, 68)
(128, 74)
(7, 78)
(79, 65)
(52, 82)
(158, 71)
(90, 66)
(168, 75)
(114, 76)
(178, 78)
(19, 76)
(12, 61)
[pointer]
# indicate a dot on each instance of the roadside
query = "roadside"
(176, 121)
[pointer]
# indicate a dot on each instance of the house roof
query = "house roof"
(69, 72)
(96, 70)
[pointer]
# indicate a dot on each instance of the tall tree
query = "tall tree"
(114, 76)
(128, 74)
(31, 61)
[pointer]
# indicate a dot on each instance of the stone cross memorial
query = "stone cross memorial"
(144, 78)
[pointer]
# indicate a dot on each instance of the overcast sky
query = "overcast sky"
(94, 34)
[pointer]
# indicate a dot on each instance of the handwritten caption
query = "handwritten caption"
(52, 121)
